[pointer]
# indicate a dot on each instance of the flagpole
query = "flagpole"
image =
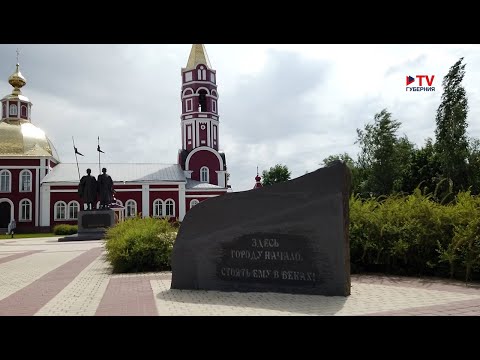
(98, 148)
(76, 159)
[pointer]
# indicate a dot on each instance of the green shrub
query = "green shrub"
(415, 235)
(140, 245)
(65, 229)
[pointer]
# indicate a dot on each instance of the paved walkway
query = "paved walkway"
(44, 277)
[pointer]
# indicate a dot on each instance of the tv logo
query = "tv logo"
(428, 79)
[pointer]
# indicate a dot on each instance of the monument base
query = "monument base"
(92, 225)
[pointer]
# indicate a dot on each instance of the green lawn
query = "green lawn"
(18, 236)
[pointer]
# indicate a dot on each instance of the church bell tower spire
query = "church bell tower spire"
(200, 157)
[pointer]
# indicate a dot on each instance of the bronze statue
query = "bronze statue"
(105, 189)
(87, 189)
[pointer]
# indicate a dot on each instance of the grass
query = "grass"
(25, 236)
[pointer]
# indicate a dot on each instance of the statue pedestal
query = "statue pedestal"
(92, 225)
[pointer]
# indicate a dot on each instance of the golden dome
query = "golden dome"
(24, 139)
(17, 80)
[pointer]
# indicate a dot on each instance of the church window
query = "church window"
(193, 203)
(204, 174)
(188, 76)
(59, 211)
(158, 208)
(212, 77)
(170, 208)
(131, 207)
(13, 110)
(5, 181)
(25, 181)
(214, 106)
(73, 207)
(25, 210)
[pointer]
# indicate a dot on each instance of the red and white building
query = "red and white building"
(39, 191)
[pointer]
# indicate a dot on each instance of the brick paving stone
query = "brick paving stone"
(83, 295)
(10, 257)
(34, 296)
(17, 274)
(128, 296)
(43, 277)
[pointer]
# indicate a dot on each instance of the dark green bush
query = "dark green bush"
(140, 245)
(415, 235)
(65, 229)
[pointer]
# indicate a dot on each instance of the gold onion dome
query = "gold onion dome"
(17, 80)
(18, 136)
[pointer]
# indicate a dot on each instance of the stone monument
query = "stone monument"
(92, 223)
(289, 237)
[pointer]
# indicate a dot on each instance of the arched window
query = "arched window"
(202, 100)
(158, 208)
(131, 207)
(170, 208)
(193, 203)
(5, 181)
(25, 181)
(23, 111)
(204, 174)
(4, 110)
(60, 211)
(73, 207)
(25, 210)
(13, 110)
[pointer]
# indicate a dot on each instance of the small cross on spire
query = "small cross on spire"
(18, 54)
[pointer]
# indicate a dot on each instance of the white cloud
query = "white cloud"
(291, 104)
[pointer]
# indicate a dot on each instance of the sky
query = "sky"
(289, 104)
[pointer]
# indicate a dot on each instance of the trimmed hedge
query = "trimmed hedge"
(65, 229)
(140, 245)
(414, 235)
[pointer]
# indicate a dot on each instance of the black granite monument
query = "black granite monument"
(289, 237)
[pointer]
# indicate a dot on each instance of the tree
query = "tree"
(451, 140)
(404, 153)
(378, 156)
(424, 169)
(278, 173)
(356, 173)
(474, 166)
(343, 157)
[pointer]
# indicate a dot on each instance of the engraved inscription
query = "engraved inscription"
(274, 258)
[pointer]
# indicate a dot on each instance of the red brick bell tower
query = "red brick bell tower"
(200, 157)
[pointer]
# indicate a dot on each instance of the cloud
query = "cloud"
(293, 105)
(274, 102)
(407, 66)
